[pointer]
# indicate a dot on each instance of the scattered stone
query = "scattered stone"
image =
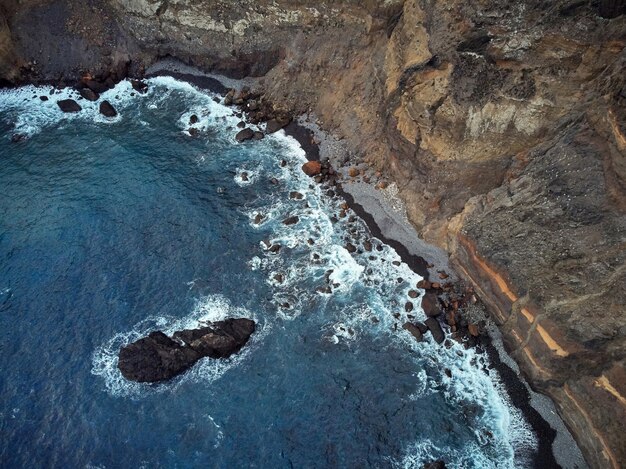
(139, 86)
(158, 357)
(193, 131)
(274, 181)
(88, 94)
(241, 124)
(312, 168)
(244, 177)
(193, 119)
(107, 110)
(351, 248)
(435, 329)
(448, 372)
(408, 307)
(296, 195)
(353, 172)
(69, 105)
(291, 220)
(414, 330)
(258, 218)
(245, 134)
(396, 263)
(279, 278)
(283, 163)
(274, 248)
(435, 286)
(443, 275)
(258, 135)
(43, 98)
(17, 138)
(367, 245)
(413, 294)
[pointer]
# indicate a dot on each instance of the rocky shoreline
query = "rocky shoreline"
(442, 302)
(446, 296)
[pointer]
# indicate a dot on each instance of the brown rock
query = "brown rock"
(88, 94)
(414, 330)
(245, 134)
(413, 294)
(312, 168)
(473, 330)
(69, 105)
(430, 304)
(107, 110)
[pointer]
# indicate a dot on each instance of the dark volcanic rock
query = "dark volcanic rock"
(139, 86)
(414, 330)
(157, 357)
(69, 105)
(106, 109)
(245, 134)
(89, 95)
(435, 465)
(435, 329)
(291, 220)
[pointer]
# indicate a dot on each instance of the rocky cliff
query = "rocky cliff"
(503, 124)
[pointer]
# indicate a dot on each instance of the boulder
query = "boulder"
(435, 465)
(312, 168)
(414, 330)
(88, 94)
(291, 220)
(69, 105)
(435, 329)
(430, 304)
(245, 134)
(296, 195)
(158, 357)
(274, 125)
(107, 109)
(258, 135)
(193, 119)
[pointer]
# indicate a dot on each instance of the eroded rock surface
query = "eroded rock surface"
(159, 357)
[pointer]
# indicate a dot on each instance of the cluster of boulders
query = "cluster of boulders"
(158, 357)
(449, 302)
(90, 89)
(257, 111)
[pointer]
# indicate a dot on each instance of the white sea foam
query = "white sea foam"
(208, 309)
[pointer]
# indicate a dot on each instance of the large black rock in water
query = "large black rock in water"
(158, 357)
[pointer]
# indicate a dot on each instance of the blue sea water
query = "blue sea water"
(110, 229)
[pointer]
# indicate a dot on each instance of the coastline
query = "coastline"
(385, 220)
(388, 224)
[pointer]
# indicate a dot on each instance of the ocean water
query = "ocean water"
(110, 229)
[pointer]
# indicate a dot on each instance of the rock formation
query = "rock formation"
(503, 124)
(158, 357)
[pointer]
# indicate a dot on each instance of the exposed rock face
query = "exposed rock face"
(503, 124)
(157, 357)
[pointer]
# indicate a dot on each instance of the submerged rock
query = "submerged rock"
(159, 357)
(69, 105)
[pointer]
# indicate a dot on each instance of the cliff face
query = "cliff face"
(503, 124)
